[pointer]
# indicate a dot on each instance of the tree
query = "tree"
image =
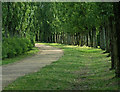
(117, 37)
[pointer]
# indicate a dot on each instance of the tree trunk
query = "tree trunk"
(77, 39)
(94, 38)
(91, 38)
(102, 39)
(87, 40)
(112, 43)
(117, 37)
(107, 31)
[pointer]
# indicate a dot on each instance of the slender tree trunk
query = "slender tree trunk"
(68, 39)
(107, 31)
(63, 39)
(91, 38)
(112, 45)
(53, 38)
(117, 37)
(87, 40)
(102, 39)
(82, 43)
(77, 39)
(94, 38)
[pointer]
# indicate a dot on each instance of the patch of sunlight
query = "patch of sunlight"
(77, 46)
(55, 44)
(109, 61)
(84, 46)
(71, 46)
(98, 47)
(40, 43)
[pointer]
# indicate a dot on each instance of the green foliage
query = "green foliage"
(12, 47)
(18, 19)
(44, 19)
(81, 68)
(19, 57)
(4, 49)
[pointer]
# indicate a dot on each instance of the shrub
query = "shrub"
(12, 47)
(23, 44)
(4, 49)
(28, 44)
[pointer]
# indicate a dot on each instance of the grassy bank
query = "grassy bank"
(81, 68)
(20, 57)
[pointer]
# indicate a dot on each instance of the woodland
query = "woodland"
(91, 24)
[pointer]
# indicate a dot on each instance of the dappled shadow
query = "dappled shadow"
(104, 52)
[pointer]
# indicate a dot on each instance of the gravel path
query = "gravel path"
(46, 56)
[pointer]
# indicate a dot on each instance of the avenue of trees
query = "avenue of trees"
(91, 24)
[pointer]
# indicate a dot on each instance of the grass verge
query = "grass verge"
(81, 68)
(17, 58)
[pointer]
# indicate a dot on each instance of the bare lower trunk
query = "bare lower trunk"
(102, 39)
(117, 38)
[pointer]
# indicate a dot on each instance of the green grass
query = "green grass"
(17, 58)
(81, 68)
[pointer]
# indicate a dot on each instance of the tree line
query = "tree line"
(91, 24)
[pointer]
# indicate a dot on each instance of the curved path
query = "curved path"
(46, 56)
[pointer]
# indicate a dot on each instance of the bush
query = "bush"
(12, 47)
(4, 49)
